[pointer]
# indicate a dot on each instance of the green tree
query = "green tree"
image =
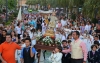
(2, 3)
(12, 4)
(91, 7)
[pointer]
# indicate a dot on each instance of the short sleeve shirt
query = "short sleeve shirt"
(8, 51)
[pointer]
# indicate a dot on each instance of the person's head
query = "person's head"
(39, 30)
(58, 49)
(4, 32)
(92, 28)
(96, 43)
(96, 38)
(23, 41)
(8, 38)
(59, 21)
(75, 35)
(64, 43)
(27, 42)
(33, 30)
(13, 33)
(18, 24)
(93, 47)
(69, 42)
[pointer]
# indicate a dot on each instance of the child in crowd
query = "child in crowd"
(27, 53)
(98, 48)
(93, 56)
(69, 43)
(66, 57)
(56, 56)
(23, 43)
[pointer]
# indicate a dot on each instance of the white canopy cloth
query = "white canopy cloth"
(45, 12)
(19, 17)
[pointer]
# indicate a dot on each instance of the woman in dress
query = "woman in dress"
(14, 37)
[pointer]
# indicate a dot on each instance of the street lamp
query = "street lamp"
(6, 10)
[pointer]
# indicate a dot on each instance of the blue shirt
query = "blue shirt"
(32, 22)
(33, 50)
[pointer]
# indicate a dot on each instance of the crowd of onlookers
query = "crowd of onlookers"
(32, 26)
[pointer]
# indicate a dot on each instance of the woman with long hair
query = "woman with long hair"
(14, 36)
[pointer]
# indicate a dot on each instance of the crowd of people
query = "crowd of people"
(80, 40)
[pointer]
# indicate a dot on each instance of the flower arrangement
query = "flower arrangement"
(38, 36)
(47, 40)
(58, 41)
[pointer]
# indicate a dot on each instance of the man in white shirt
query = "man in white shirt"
(88, 27)
(63, 22)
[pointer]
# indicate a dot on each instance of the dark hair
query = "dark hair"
(93, 46)
(28, 39)
(69, 35)
(5, 30)
(60, 48)
(33, 30)
(9, 35)
(69, 41)
(18, 24)
(64, 41)
(77, 33)
(14, 33)
(96, 43)
(23, 40)
(97, 36)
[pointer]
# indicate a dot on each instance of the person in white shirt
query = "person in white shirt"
(18, 30)
(56, 56)
(32, 35)
(88, 27)
(63, 22)
(43, 28)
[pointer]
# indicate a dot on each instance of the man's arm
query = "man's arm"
(67, 51)
(18, 47)
(2, 59)
(84, 49)
(31, 52)
(1, 50)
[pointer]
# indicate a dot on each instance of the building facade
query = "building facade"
(21, 2)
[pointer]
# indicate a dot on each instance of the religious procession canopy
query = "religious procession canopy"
(45, 12)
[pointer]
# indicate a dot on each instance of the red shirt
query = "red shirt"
(8, 51)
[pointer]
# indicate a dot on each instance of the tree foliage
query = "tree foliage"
(12, 4)
(91, 7)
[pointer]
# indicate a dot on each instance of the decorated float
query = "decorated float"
(48, 39)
